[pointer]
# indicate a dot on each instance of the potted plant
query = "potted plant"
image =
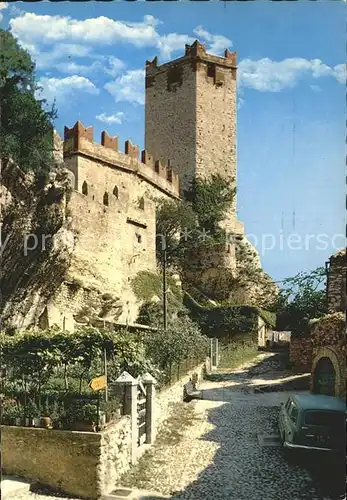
(46, 420)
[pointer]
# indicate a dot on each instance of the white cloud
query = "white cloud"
(3, 6)
(114, 66)
(128, 87)
(217, 43)
(109, 65)
(273, 76)
(340, 73)
(240, 102)
(59, 88)
(167, 44)
(31, 28)
(111, 119)
(99, 30)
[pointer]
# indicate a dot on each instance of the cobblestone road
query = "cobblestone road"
(223, 455)
(214, 449)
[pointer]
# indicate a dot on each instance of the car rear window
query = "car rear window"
(324, 418)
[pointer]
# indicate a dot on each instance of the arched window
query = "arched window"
(105, 200)
(142, 203)
(115, 191)
(85, 188)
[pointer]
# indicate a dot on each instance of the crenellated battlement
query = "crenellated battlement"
(193, 55)
(80, 140)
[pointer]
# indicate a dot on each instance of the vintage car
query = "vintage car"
(313, 422)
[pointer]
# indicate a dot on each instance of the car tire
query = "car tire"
(282, 438)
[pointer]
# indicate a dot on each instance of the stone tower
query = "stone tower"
(191, 116)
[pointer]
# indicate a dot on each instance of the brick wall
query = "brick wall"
(300, 353)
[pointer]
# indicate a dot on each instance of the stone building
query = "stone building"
(191, 123)
(328, 334)
(191, 117)
(190, 132)
(112, 210)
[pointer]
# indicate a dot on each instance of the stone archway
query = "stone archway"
(326, 373)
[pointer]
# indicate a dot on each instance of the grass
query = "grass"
(234, 355)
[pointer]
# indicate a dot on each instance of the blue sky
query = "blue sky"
(291, 98)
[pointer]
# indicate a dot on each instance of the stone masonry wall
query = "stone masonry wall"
(65, 460)
(166, 399)
(82, 464)
(191, 114)
(170, 117)
(113, 214)
(328, 335)
(115, 454)
(216, 127)
(336, 287)
(300, 353)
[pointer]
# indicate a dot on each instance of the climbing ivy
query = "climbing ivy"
(226, 320)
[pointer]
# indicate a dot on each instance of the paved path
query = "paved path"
(218, 448)
(225, 455)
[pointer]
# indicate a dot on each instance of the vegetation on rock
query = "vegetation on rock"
(26, 131)
(228, 320)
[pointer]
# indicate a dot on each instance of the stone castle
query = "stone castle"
(190, 132)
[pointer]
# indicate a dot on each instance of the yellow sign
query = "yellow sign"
(98, 383)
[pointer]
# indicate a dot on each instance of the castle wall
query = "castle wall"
(191, 116)
(170, 117)
(113, 215)
(216, 128)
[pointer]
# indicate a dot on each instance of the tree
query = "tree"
(211, 199)
(26, 127)
(180, 224)
(302, 298)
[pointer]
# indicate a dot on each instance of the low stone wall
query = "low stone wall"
(84, 464)
(64, 460)
(115, 454)
(166, 398)
(300, 353)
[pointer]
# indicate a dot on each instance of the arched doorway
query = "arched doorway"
(324, 377)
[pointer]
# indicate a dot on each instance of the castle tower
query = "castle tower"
(191, 116)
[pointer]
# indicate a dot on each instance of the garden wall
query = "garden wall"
(64, 460)
(300, 353)
(166, 398)
(84, 464)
